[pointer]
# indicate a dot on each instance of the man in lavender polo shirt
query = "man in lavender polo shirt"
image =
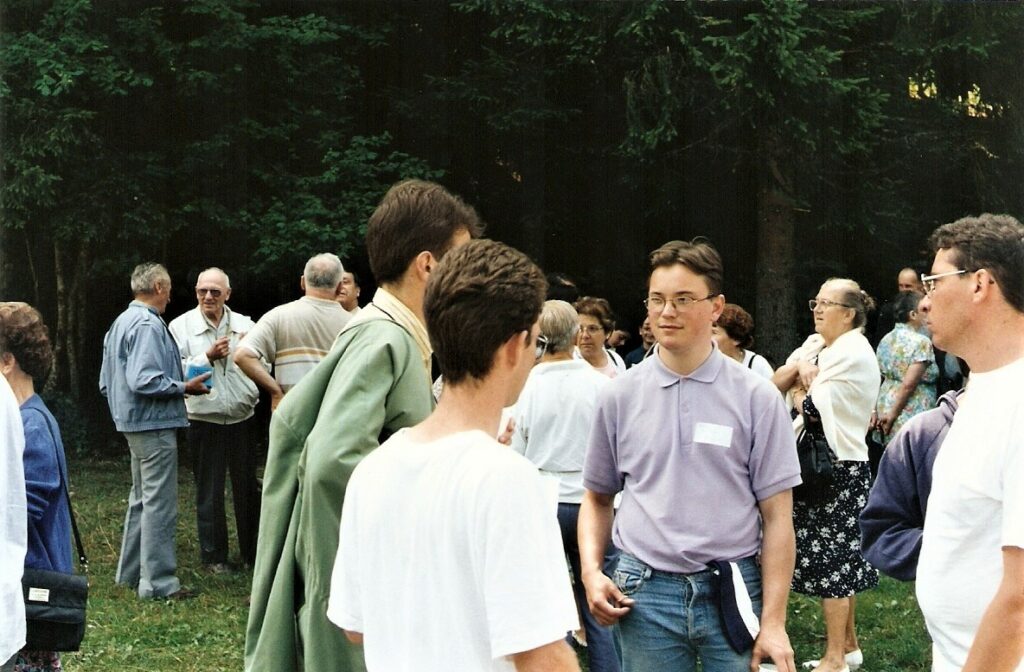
(704, 454)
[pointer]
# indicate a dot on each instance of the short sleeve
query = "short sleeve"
(774, 465)
(524, 578)
(600, 468)
(922, 351)
(1013, 494)
(261, 338)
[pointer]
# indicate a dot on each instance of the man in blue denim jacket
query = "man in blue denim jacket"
(141, 379)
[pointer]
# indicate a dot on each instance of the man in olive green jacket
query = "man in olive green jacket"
(375, 381)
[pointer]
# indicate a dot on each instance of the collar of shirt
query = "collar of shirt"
(203, 324)
(400, 313)
(705, 373)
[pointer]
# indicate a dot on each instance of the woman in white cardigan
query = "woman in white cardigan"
(831, 381)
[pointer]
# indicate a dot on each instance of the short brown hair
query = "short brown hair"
(483, 293)
(24, 334)
(698, 256)
(738, 324)
(597, 308)
(992, 242)
(415, 216)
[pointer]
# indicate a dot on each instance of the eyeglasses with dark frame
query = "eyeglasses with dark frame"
(215, 293)
(658, 303)
(929, 280)
(825, 304)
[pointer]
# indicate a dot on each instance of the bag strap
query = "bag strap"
(83, 562)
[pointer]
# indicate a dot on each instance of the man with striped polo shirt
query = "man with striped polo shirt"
(296, 336)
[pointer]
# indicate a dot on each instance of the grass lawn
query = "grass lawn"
(207, 632)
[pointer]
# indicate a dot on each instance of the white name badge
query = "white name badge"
(716, 435)
(38, 595)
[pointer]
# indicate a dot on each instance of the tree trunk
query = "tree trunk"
(76, 320)
(776, 319)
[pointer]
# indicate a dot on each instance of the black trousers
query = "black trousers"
(217, 449)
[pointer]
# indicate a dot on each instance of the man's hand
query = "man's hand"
(275, 399)
(773, 642)
(606, 601)
(196, 386)
(221, 348)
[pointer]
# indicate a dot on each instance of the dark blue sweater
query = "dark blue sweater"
(892, 523)
(49, 522)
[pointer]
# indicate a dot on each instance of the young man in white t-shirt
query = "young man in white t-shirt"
(450, 556)
(970, 577)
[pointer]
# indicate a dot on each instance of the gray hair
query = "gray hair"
(854, 297)
(559, 323)
(214, 269)
(146, 276)
(323, 271)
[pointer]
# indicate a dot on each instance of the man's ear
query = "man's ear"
(302, 282)
(984, 285)
(717, 306)
(424, 263)
(6, 363)
(514, 348)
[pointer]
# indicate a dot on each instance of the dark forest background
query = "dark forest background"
(804, 140)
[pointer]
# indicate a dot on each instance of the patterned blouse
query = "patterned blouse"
(897, 350)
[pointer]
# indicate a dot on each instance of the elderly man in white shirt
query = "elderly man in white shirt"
(552, 424)
(221, 426)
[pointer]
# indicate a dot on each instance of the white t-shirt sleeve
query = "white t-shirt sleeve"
(526, 589)
(1013, 493)
(344, 605)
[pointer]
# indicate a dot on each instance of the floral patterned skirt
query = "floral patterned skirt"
(37, 661)
(828, 558)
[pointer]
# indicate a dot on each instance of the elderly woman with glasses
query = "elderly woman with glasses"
(26, 358)
(596, 324)
(832, 382)
(552, 422)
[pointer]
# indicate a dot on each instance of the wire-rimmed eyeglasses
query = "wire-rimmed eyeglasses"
(929, 280)
(657, 303)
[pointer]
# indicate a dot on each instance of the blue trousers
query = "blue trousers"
(602, 652)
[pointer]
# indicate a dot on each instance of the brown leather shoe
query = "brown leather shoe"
(180, 594)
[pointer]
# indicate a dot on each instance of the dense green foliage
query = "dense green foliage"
(804, 140)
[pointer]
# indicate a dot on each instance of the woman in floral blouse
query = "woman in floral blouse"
(907, 362)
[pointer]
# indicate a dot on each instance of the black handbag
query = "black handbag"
(817, 462)
(55, 602)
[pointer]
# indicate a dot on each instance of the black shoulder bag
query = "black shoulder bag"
(817, 462)
(55, 602)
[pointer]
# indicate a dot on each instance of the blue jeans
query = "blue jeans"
(675, 621)
(602, 653)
